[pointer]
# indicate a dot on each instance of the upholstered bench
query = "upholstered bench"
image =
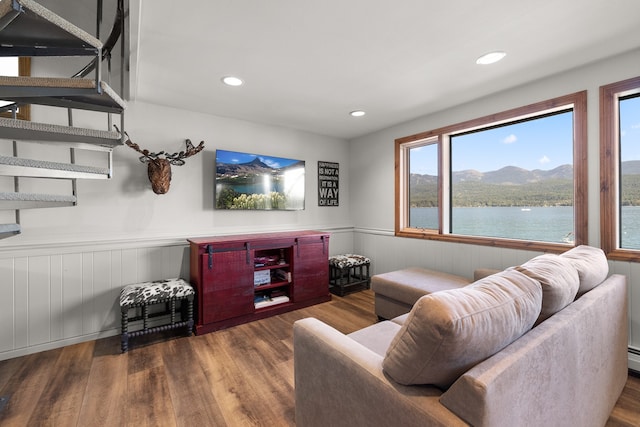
(348, 273)
(397, 291)
(142, 296)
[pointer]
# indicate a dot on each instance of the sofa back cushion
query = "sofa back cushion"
(591, 264)
(448, 332)
(559, 280)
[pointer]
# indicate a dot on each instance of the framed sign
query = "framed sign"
(328, 184)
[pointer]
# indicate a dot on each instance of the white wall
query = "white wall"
(372, 183)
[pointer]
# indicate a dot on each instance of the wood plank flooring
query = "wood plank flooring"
(242, 376)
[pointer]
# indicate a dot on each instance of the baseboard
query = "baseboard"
(634, 360)
(24, 351)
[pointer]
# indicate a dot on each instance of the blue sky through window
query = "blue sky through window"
(544, 143)
(630, 128)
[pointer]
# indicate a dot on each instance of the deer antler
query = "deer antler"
(177, 158)
(174, 159)
(147, 156)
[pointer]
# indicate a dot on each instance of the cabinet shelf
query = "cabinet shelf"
(271, 267)
(272, 302)
(272, 285)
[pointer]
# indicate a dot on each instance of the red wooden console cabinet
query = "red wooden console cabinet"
(248, 277)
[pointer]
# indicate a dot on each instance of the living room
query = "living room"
(63, 273)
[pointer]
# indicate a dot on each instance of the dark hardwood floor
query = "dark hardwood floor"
(242, 376)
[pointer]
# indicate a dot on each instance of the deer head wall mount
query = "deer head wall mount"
(159, 164)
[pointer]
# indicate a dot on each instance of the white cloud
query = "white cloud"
(543, 160)
(636, 126)
(270, 162)
(510, 139)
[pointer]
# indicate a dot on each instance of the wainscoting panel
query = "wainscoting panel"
(21, 306)
(39, 299)
(632, 271)
(72, 296)
(7, 305)
(65, 295)
(52, 296)
(390, 253)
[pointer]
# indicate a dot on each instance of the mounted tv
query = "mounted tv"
(247, 181)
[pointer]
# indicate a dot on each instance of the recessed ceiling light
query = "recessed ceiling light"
(490, 58)
(232, 81)
(357, 113)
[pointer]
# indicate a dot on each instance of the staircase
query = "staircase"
(28, 29)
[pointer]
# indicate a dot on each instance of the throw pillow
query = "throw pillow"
(591, 264)
(448, 332)
(559, 280)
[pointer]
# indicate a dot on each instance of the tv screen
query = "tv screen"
(257, 182)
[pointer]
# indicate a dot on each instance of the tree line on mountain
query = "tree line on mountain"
(423, 192)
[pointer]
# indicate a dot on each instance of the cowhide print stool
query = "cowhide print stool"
(142, 296)
(348, 273)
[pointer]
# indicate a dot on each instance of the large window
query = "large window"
(513, 179)
(620, 168)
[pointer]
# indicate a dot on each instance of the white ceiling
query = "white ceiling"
(307, 63)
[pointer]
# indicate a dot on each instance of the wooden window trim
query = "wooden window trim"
(610, 168)
(580, 170)
(24, 70)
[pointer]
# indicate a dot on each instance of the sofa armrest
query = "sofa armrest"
(339, 382)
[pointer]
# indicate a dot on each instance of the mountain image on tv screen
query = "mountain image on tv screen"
(246, 181)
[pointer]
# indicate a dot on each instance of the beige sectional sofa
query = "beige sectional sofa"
(540, 344)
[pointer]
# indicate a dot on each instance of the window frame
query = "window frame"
(24, 70)
(610, 168)
(577, 101)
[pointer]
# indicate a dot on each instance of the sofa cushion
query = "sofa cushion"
(376, 337)
(448, 332)
(591, 264)
(559, 280)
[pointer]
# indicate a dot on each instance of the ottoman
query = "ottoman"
(397, 291)
(348, 273)
(140, 297)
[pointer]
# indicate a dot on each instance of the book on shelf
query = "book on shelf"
(282, 275)
(261, 277)
(266, 301)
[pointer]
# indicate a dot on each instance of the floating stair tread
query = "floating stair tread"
(32, 131)
(8, 230)
(71, 90)
(34, 200)
(17, 166)
(29, 29)
(61, 92)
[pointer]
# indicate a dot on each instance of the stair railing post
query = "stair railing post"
(16, 182)
(109, 118)
(72, 157)
(98, 51)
